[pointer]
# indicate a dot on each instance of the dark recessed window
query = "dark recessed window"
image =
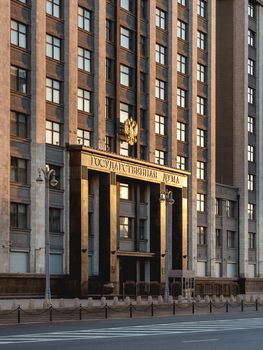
(18, 171)
(19, 125)
(18, 216)
(18, 79)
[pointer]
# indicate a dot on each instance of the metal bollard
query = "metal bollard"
(227, 306)
(152, 309)
(174, 308)
(130, 310)
(256, 305)
(193, 307)
(80, 312)
(50, 313)
(106, 311)
(210, 306)
(18, 314)
(242, 305)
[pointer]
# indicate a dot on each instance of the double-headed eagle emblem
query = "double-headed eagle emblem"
(131, 131)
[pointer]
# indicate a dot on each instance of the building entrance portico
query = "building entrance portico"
(118, 223)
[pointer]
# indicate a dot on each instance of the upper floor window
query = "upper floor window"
(200, 202)
(55, 220)
(251, 182)
(18, 34)
(84, 137)
(84, 19)
(143, 4)
(200, 72)
(52, 133)
(160, 19)
(159, 124)
(251, 153)
(18, 170)
(200, 40)
(143, 82)
(181, 30)
(251, 10)
(218, 238)
(181, 64)
(109, 143)
(182, 2)
(143, 45)
(251, 211)
(109, 30)
(125, 111)
(160, 54)
(109, 69)
(125, 75)
(200, 170)
(84, 59)
(181, 131)
(200, 137)
(230, 209)
(201, 105)
(201, 8)
(251, 66)
(201, 235)
(19, 79)
(125, 227)
(18, 125)
(181, 162)
(231, 239)
(181, 98)
(124, 148)
(53, 8)
(250, 95)
(250, 124)
(52, 90)
(109, 107)
(251, 38)
(251, 240)
(126, 38)
(159, 157)
(160, 89)
(18, 216)
(84, 100)
(124, 191)
(53, 47)
(126, 4)
(218, 206)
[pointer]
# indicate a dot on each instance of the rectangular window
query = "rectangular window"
(125, 111)
(109, 144)
(143, 118)
(201, 104)
(250, 124)
(230, 209)
(200, 137)
(159, 157)
(251, 10)
(53, 8)
(251, 38)
(200, 170)
(109, 107)
(182, 2)
(54, 220)
(201, 8)
(200, 72)
(201, 235)
(251, 66)
(125, 227)
(251, 153)
(52, 90)
(218, 206)
(124, 148)
(18, 79)
(142, 229)
(109, 69)
(18, 216)
(109, 30)
(181, 64)
(231, 239)
(181, 30)
(251, 182)
(143, 82)
(84, 19)
(143, 4)
(126, 4)
(181, 131)
(18, 171)
(84, 137)
(84, 59)
(126, 38)
(160, 19)
(160, 89)
(201, 40)
(251, 211)
(18, 34)
(84, 98)
(53, 47)
(160, 54)
(19, 262)
(125, 75)
(52, 133)
(18, 125)
(251, 240)
(124, 191)
(159, 124)
(181, 98)
(143, 45)
(218, 238)
(143, 152)
(181, 162)
(200, 202)
(250, 95)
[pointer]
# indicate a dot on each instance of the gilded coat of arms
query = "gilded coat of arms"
(131, 131)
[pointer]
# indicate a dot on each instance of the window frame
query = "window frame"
(19, 34)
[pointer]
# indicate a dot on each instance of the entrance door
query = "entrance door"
(128, 275)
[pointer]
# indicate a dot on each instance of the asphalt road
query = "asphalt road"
(207, 332)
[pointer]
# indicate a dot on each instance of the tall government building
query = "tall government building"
(128, 100)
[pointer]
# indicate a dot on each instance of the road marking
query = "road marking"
(199, 340)
(193, 327)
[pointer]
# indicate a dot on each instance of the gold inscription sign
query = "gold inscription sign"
(133, 170)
